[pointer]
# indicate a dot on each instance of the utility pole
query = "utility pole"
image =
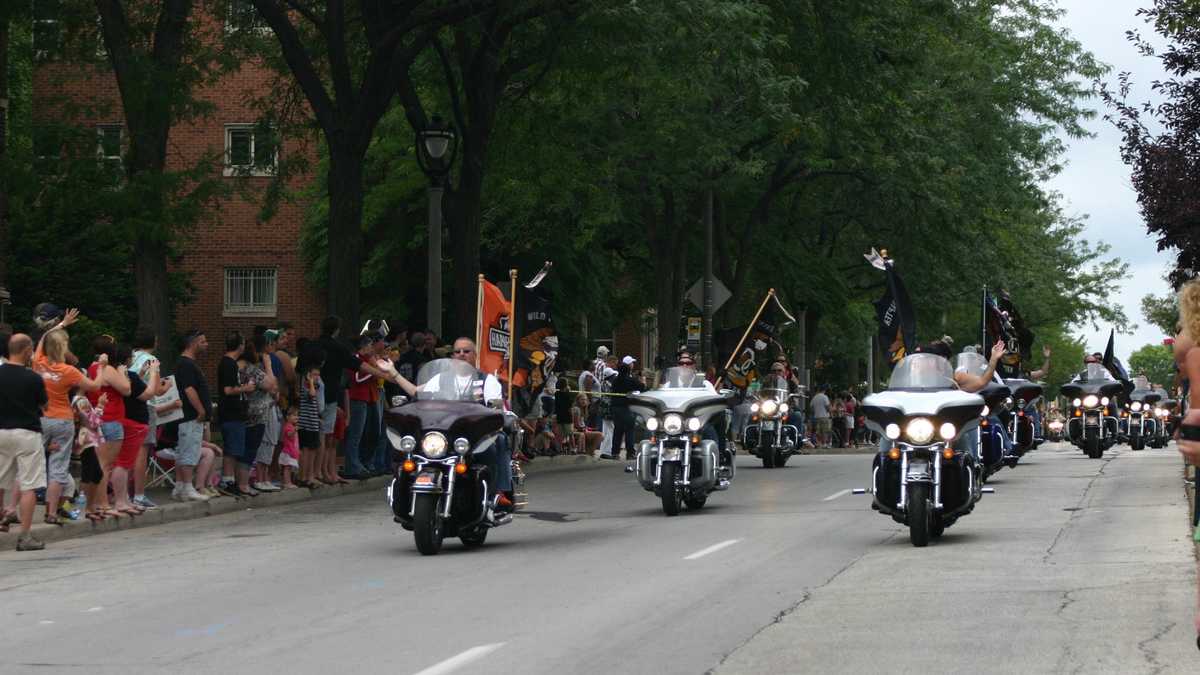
(706, 346)
(802, 348)
(4, 294)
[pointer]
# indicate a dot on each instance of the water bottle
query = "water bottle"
(81, 502)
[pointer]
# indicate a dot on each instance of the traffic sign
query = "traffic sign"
(721, 295)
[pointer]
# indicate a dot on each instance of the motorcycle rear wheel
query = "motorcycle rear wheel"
(427, 525)
(920, 514)
(672, 501)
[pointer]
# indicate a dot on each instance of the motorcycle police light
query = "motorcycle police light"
(947, 431)
(1137, 406)
(1091, 401)
(769, 407)
(462, 445)
(1077, 403)
(694, 424)
(892, 431)
(652, 424)
(919, 431)
(672, 424)
(433, 445)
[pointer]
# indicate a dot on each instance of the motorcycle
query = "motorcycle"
(997, 398)
(443, 487)
(1020, 421)
(919, 478)
(768, 435)
(1055, 433)
(1162, 420)
(1168, 412)
(676, 463)
(1141, 421)
(1091, 425)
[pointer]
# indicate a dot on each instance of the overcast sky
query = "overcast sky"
(1096, 183)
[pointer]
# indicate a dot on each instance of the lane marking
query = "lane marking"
(46, 622)
(712, 549)
(840, 493)
(93, 609)
(455, 662)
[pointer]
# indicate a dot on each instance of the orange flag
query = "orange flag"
(493, 317)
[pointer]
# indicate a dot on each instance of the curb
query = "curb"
(179, 512)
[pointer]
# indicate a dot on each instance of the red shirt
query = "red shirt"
(362, 386)
(114, 407)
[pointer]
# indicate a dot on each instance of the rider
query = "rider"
(970, 383)
(709, 432)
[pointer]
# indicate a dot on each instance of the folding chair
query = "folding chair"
(160, 467)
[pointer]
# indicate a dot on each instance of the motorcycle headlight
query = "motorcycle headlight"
(1077, 403)
(769, 407)
(947, 431)
(892, 431)
(754, 408)
(783, 408)
(694, 424)
(462, 445)
(1104, 401)
(672, 424)
(407, 444)
(651, 424)
(433, 445)
(919, 431)
(396, 438)
(1136, 406)
(1091, 401)
(1162, 412)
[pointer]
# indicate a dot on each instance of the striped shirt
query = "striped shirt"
(310, 407)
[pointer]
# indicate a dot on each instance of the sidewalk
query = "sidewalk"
(170, 511)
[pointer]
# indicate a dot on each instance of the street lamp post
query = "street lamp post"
(437, 146)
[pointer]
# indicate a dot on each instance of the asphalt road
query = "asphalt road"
(1075, 565)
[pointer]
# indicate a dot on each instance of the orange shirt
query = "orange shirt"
(60, 378)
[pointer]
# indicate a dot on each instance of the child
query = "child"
(312, 403)
(88, 439)
(289, 455)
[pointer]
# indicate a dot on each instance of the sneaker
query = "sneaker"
(145, 502)
(192, 495)
(27, 542)
(210, 491)
(178, 494)
(265, 487)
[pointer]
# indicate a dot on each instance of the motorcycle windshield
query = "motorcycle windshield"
(681, 377)
(774, 386)
(1096, 373)
(971, 363)
(922, 372)
(1141, 382)
(449, 380)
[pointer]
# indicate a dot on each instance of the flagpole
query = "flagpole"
(512, 330)
(983, 345)
(479, 322)
(733, 355)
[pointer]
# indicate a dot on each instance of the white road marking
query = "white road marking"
(840, 493)
(94, 609)
(455, 662)
(46, 622)
(712, 549)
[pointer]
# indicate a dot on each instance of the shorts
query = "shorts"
(58, 462)
(89, 467)
(254, 437)
(187, 448)
(22, 459)
(329, 418)
(233, 437)
(310, 440)
(113, 431)
(287, 460)
(131, 445)
(266, 449)
(823, 425)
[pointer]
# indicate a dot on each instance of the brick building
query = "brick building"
(245, 272)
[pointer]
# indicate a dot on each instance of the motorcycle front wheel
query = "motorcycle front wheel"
(768, 456)
(1091, 444)
(920, 514)
(427, 525)
(672, 501)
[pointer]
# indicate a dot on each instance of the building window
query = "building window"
(47, 29)
(108, 146)
(250, 291)
(47, 148)
(241, 17)
(250, 150)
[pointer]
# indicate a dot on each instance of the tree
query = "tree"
(347, 58)
(1162, 312)
(1165, 163)
(1156, 362)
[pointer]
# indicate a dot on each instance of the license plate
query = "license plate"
(768, 426)
(424, 480)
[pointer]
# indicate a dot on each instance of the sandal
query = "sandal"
(112, 513)
(129, 511)
(10, 518)
(53, 519)
(94, 516)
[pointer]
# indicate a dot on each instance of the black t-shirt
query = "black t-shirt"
(623, 384)
(22, 398)
(410, 364)
(562, 402)
(230, 407)
(135, 408)
(338, 358)
(187, 374)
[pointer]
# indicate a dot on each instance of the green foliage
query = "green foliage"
(1162, 312)
(1156, 362)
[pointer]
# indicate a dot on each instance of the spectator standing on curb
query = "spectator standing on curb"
(312, 405)
(624, 421)
(338, 359)
(231, 408)
(361, 392)
(22, 400)
(144, 346)
(134, 426)
(258, 406)
(820, 416)
(197, 410)
(112, 375)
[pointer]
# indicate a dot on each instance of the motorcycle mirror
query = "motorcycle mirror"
(399, 400)
(726, 392)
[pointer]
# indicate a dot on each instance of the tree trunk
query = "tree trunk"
(4, 153)
(345, 257)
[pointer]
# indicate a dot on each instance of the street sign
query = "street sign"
(721, 295)
(694, 324)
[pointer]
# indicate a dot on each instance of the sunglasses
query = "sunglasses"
(687, 363)
(464, 351)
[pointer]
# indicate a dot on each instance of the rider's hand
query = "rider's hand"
(998, 350)
(386, 365)
(1046, 351)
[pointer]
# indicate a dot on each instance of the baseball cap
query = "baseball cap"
(602, 351)
(47, 310)
(629, 360)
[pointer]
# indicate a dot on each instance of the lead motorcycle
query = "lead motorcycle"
(768, 435)
(1091, 426)
(677, 463)
(919, 478)
(443, 487)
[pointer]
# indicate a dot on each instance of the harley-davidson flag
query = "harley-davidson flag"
(494, 310)
(1001, 320)
(897, 321)
(537, 339)
(762, 335)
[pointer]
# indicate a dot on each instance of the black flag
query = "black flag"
(1111, 362)
(536, 336)
(897, 321)
(1002, 321)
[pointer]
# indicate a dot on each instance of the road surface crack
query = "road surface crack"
(1078, 509)
(1151, 655)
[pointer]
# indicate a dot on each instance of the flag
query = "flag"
(763, 338)
(537, 339)
(897, 321)
(1110, 360)
(1002, 321)
(493, 330)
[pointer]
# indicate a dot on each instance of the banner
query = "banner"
(1002, 321)
(762, 341)
(537, 339)
(897, 321)
(494, 311)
